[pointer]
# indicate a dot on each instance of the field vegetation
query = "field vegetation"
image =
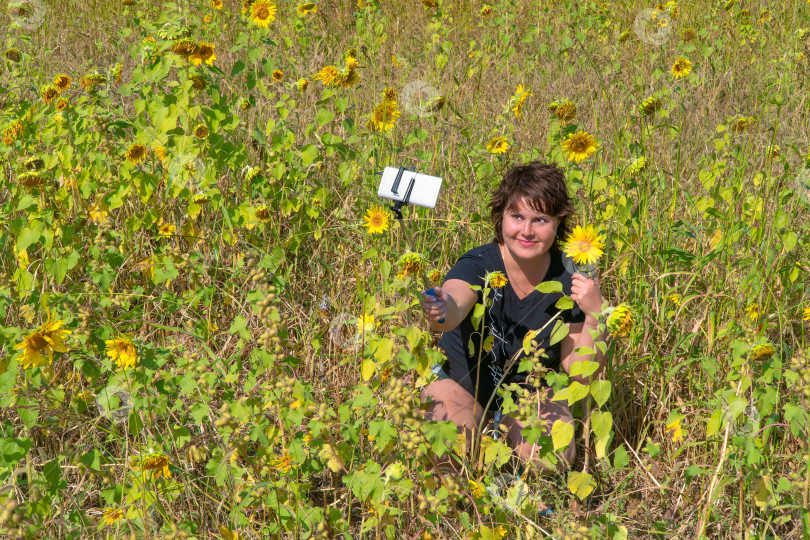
(208, 319)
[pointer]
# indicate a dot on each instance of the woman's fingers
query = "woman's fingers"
(434, 307)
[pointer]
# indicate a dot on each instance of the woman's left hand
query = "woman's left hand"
(585, 292)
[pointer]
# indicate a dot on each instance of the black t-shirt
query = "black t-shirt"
(508, 320)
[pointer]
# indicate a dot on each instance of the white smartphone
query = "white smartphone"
(425, 190)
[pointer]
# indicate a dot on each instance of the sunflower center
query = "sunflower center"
(579, 145)
(38, 341)
(263, 13)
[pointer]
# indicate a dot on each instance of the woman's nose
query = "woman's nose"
(527, 228)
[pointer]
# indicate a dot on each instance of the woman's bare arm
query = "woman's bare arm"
(453, 301)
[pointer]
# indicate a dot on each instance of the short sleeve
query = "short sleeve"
(470, 267)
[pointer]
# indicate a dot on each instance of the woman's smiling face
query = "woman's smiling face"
(527, 233)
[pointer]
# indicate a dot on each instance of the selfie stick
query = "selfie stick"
(426, 195)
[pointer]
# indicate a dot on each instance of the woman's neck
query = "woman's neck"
(526, 273)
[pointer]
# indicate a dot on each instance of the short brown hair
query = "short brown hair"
(543, 186)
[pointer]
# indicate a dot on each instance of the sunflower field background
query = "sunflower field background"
(209, 321)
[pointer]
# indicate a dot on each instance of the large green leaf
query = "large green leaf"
(581, 484)
(600, 390)
(561, 434)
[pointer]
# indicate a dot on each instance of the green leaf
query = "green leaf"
(621, 458)
(564, 303)
(714, 423)
(601, 423)
(581, 484)
(324, 117)
(440, 435)
(27, 237)
(367, 369)
(559, 332)
(600, 390)
(573, 393)
(561, 434)
(549, 287)
(585, 368)
(92, 460)
(497, 453)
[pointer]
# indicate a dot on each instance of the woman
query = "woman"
(529, 211)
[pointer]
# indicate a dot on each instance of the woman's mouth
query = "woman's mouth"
(526, 243)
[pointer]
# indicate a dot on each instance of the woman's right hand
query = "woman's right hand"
(434, 307)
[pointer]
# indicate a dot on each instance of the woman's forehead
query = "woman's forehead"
(525, 206)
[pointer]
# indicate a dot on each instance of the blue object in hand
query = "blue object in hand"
(433, 294)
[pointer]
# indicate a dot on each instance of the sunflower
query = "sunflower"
(122, 351)
(565, 111)
(520, 96)
(677, 431)
(62, 82)
(13, 55)
(384, 117)
(620, 320)
(584, 245)
(349, 77)
(136, 153)
(753, 311)
(34, 163)
(184, 48)
(201, 131)
(30, 179)
(497, 280)
(158, 464)
(498, 145)
(40, 344)
(327, 75)
(160, 153)
(262, 13)
(742, 124)
(486, 11)
(49, 93)
(111, 515)
(376, 220)
(302, 85)
(90, 81)
(62, 104)
(203, 53)
(763, 351)
(806, 314)
(578, 146)
(284, 463)
(624, 36)
(198, 82)
(649, 106)
(216, 4)
(636, 167)
(263, 213)
(430, 3)
(366, 323)
(278, 75)
(307, 8)
(166, 230)
(688, 34)
(675, 299)
(98, 214)
(435, 277)
(410, 265)
(681, 68)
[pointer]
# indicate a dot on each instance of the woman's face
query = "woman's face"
(527, 233)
